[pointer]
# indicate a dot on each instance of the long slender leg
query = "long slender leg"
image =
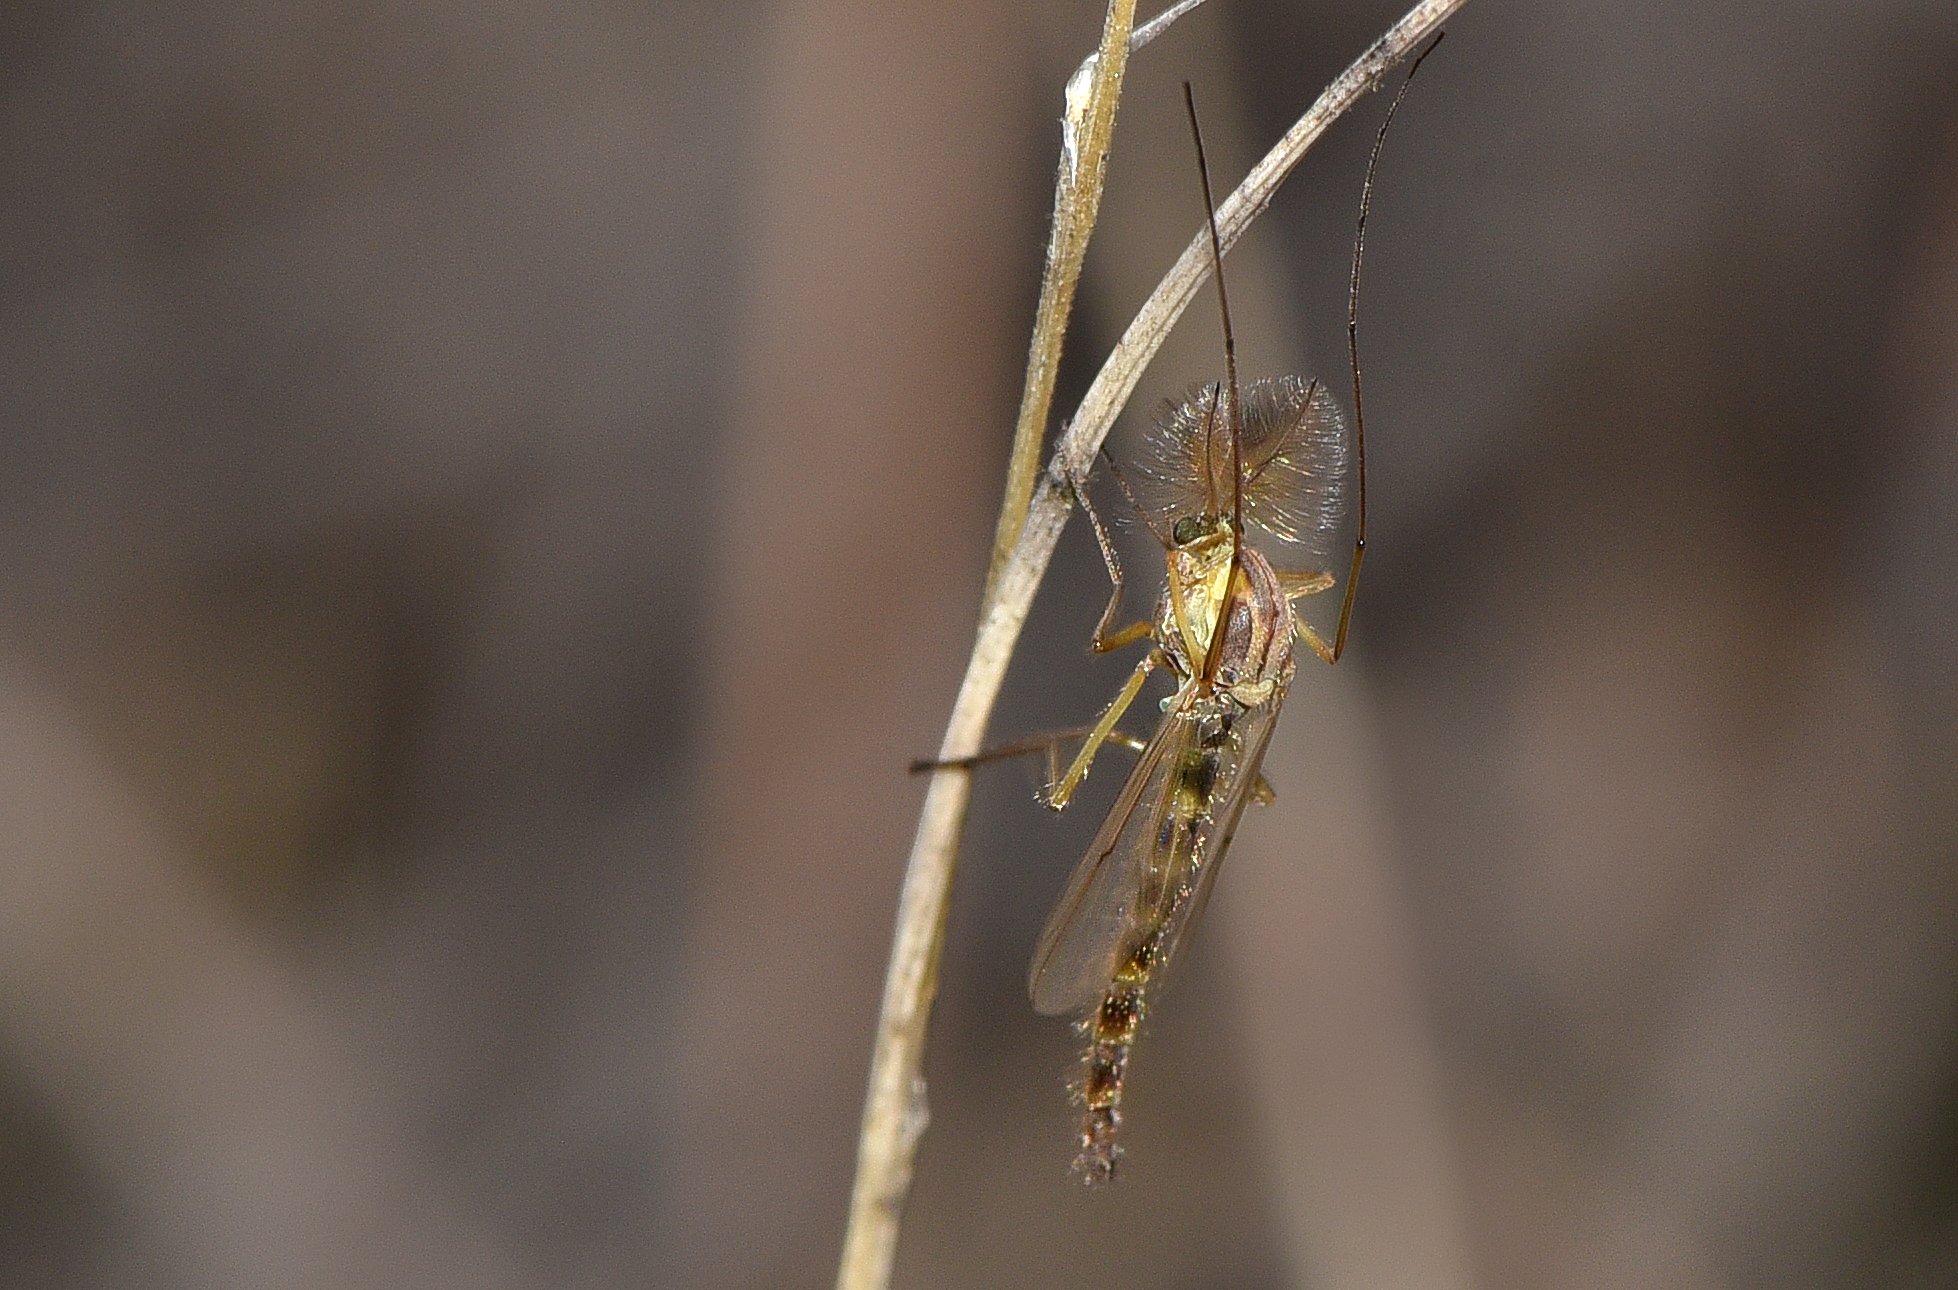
(1120, 738)
(1062, 791)
(1308, 583)
(1003, 752)
(1326, 652)
(1048, 743)
(1303, 582)
(1104, 641)
(1127, 636)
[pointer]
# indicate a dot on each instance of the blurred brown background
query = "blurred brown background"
(493, 498)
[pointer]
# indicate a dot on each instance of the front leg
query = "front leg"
(1104, 640)
(1303, 582)
(1296, 584)
(1313, 639)
(1062, 790)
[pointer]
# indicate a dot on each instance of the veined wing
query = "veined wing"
(1249, 736)
(1095, 917)
(1151, 865)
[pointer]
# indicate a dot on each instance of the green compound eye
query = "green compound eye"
(1189, 529)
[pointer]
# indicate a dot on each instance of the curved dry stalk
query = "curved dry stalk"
(1093, 93)
(1088, 125)
(895, 1110)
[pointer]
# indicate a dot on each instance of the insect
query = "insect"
(1270, 456)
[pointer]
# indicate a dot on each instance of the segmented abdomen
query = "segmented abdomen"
(1175, 864)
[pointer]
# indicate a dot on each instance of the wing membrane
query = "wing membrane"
(1250, 736)
(1094, 918)
(1134, 879)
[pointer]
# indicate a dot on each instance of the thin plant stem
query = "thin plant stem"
(895, 1112)
(1093, 93)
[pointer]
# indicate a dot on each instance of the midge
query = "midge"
(1273, 457)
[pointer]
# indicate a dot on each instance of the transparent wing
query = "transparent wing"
(1152, 863)
(1250, 736)
(1091, 924)
(1295, 461)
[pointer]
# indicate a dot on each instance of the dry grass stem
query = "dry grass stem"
(1093, 93)
(1088, 125)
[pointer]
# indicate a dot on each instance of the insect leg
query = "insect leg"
(1120, 738)
(1328, 653)
(1303, 582)
(1049, 743)
(1003, 752)
(1104, 641)
(1062, 790)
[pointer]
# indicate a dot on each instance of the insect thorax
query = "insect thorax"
(1256, 657)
